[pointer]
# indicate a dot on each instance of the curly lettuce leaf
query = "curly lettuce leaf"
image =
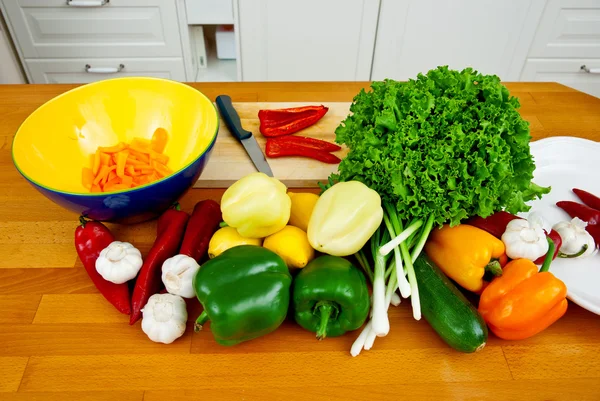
(449, 143)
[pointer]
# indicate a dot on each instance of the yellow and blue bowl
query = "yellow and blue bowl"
(57, 140)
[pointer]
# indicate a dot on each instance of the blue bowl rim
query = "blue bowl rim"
(121, 191)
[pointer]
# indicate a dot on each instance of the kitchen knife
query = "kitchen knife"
(232, 120)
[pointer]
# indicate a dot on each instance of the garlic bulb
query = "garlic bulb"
(119, 262)
(164, 318)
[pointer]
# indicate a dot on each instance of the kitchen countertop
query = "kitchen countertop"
(60, 340)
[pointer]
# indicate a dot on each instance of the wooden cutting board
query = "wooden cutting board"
(229, 161)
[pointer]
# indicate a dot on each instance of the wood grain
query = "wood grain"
(249, 370)
(11, 372)
(60, 340)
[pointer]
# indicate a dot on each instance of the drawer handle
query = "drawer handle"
(590, 70)
(103, 70)
(87, 3)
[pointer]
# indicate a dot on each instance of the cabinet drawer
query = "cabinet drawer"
(120, 28)
(74, 70)
(209, 11)
(568, 28)
(566, 72)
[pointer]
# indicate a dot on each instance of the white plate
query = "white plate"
(565, 163)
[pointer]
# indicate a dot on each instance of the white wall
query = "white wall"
(10, 72)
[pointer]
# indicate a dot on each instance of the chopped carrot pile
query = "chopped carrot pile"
(124, 166)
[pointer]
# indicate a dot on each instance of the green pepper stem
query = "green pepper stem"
(83, 221)
(575, 255)
(325, 310)
(494, 267)
(223, 224)
(549, 255)
(203, 318)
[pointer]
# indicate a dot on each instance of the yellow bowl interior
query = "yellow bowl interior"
(57, 140)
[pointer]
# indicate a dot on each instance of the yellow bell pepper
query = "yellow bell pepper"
(256, 205)
(464, 253)
(344, 218)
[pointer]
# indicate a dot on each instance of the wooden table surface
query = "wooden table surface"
(60, 340)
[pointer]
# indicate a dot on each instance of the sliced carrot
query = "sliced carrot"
(130, 170)
(97, 162)
(112, 181)
(141, 144)
(112, 175)
(113, 149)
(103, 173)
(127, 180)
(115, 187)
(164, 159)
(96, 188)
(105, 179)
(161, 169)
(140, 155)
(87, 177)
(135, 163)
(159, 140)
(121, 160)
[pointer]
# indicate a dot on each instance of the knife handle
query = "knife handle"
(231, 117)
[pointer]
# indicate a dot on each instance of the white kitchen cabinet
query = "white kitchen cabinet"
(310, 40)
(491, 36)
(565, 71)
(58, 71)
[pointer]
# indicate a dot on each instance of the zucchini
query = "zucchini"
(447, 310)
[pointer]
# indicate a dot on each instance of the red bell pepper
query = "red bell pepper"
(278, 148)
(203, 223)
(496, 225)
(307, 142)
(288, 121)
(170, 228)
(589, 199)
(91, 237)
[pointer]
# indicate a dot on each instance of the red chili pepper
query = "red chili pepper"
(203, 223)
(288, 121)
(585, 213)
(589, 199)
(594, 231)
(496, 225)
(277, 148)
(307, 142)
(170, 228)
(91, 237)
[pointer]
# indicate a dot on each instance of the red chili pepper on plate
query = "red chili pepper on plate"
(589, 199)
(169, 233)
(496, 225)
(276, 148)
(203, 223)
(585, 213)
(279, 122)
(91, 237)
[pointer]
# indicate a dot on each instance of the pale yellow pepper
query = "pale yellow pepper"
(256, 205)
(344, 218)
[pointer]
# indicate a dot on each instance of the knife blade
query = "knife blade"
(232, 120)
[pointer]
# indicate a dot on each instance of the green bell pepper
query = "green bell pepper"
(245, 292)
(330, 297)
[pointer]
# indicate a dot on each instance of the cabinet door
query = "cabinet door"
(310, 40)
(491, 36)
(565, 71)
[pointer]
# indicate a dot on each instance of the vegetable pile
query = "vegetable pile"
(424, 206)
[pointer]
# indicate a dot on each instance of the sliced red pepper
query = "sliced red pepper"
(276, 148)
(589, 199)
(585, 213)
(307, 142)
(203, 223)
(496, 225)
(170, 228)
(91, 237)
(288, 121)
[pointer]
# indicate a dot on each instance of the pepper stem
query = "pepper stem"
(83, 221)
(325, 309)
(494, 268)
(203, 318)
(223, 224)
(549, 255)
(575, 255)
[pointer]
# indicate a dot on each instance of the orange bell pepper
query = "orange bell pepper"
(523, 302)
(465, 253)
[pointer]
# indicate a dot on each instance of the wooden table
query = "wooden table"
(60, 340)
